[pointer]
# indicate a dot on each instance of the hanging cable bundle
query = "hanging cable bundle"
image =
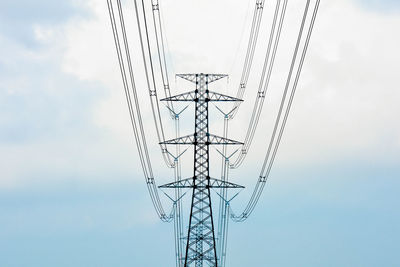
(275, 139)
(128, 80)
(264, 81)
(251, 47)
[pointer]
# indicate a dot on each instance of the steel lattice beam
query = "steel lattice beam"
(209, 139)
(189, 183)
(209, 96)
(201, 244)
(192, 77)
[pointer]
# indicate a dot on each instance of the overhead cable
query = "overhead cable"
(134, 109)
(264, 81)
(274, 143)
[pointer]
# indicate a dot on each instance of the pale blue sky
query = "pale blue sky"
(381, 5)
(71, 193)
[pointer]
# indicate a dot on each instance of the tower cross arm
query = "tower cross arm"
(188, 96)
(192, 96)
(189, 183)
(213, 96)
(192, 77)
(191, 140)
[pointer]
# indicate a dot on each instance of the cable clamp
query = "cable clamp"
(156, 7)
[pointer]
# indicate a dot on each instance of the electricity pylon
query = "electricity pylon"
(201, 241)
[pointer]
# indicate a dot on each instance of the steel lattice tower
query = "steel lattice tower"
(205, 244)
(201, 241)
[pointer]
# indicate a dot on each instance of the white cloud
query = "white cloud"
(346, 102)
(346, 105)
(346, 98)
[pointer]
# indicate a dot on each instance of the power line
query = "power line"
(269, 160)
(264, 81)
(134, 109)
(201, 244)
(251, 46)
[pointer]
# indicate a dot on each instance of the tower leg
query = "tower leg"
(201, 245)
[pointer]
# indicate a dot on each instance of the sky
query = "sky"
(71, 189)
